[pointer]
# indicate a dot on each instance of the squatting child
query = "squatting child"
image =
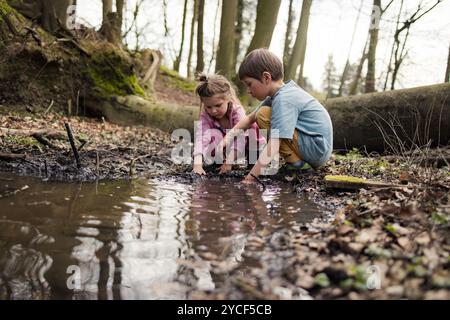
(221, 111)
(300, 127)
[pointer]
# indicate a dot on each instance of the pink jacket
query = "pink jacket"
(205, 141)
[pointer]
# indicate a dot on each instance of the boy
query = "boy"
(299, 126)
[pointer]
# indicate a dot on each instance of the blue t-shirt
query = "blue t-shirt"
(293, 108)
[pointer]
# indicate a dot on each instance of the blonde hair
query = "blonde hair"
(215, 84)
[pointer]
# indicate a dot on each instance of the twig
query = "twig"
(259, 181)
(45, 168)
(35, 35)
(97, 164)
(49, 107)
(131, 172)
(83, 144)
(72, 144)
(44, 141)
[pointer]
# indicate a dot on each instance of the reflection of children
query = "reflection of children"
(222, 111)
(300, 127)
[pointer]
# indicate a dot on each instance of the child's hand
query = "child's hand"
(198, 169)
(225, 168)
(248, 180)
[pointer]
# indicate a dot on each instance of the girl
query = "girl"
(221, 111)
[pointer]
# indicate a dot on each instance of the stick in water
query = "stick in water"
(259, 181)
(72, 144)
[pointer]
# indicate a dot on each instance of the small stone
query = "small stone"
(423, 238)
(395, 291)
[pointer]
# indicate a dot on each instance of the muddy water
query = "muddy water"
(130, 239)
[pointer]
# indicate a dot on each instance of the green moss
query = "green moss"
(25, 141)
(5, 9)
(112, 75)
(177, 81)
(322, 280)
(345, 179)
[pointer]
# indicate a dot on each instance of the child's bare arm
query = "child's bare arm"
(198, 165)
(243, 124)
(270, 151)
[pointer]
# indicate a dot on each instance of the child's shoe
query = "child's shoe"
(300, 165)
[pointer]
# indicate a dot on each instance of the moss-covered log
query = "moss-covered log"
(132, 109)
(392, 120)
(354, 183)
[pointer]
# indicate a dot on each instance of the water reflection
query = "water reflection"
(129, 239)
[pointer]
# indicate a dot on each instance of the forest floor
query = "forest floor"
(399, 232)
(396, 237)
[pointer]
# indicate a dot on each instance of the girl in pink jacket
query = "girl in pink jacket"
(221, 111)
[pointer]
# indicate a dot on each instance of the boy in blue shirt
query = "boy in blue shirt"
(299, 126)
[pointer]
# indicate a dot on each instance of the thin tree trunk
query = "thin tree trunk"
(266, 18)
(393, 47)
(343, 78)
(51, 14)
(176, 64)
(213, 51)
(371, 56)
(107, 8)
(298, 53)
(226, 41)
(398, 56)
(355, 83)
(191, 40)
(119, 7)
(288, 35)
(238, 32)
(447, 73)
(112, 22)
(347, 63)
(200, 59)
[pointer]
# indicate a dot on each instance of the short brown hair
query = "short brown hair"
(259, 61)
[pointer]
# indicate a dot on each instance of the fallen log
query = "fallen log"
(354, 183)
(11, 156)
(133, 109)
(392, 121)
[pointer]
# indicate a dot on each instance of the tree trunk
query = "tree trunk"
(298, 53)
(266, 18)
(200, 59)
(355, 82)
(191, 40)
(447, 73)
(393, 120)
(347, 63)
(112, 22)
(288, 35)
(371, 56)
(226, 39)
(176, 64)
(238, 32)
(389, 70)
(213, 43)
(132, 110)
(107, 7)
(52, 14)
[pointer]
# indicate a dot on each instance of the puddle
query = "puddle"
(128, 239)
